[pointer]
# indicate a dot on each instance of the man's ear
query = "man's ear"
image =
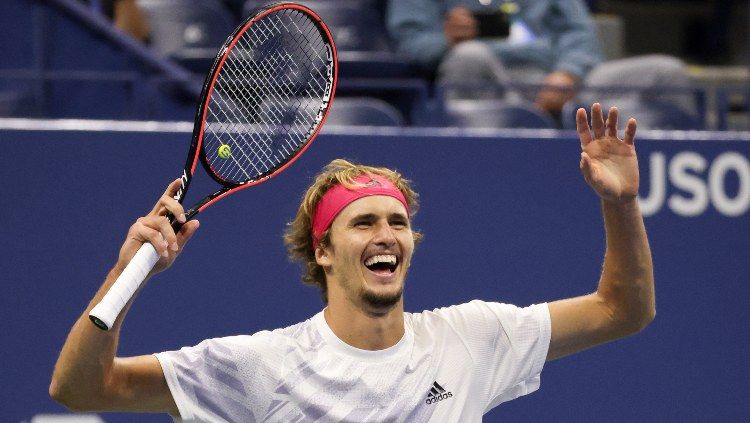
(323, 256)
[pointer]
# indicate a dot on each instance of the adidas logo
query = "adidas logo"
(437, 393)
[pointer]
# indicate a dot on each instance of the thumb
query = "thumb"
(587, 168)
(585, 165)
(186, 232)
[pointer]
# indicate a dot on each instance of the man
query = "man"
(363, 358)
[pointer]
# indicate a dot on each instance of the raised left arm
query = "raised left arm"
(624, 302)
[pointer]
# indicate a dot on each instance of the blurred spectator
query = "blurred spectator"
(126, 16)
(549, 43)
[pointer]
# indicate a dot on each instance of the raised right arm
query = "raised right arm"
(88, 376)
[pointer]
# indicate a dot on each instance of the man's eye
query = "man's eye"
(362, 225)
(398, 225)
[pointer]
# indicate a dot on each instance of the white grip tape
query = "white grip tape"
(125, 286)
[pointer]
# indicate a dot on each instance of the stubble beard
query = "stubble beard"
(381, 301)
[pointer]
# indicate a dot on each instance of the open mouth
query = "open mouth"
(383, 263)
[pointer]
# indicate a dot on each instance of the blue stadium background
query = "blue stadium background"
(522, 227)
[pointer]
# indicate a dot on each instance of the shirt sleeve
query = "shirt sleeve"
(508, 345)
(208, 381)
(575, 41)
(416, 27)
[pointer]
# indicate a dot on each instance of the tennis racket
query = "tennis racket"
(263, 101)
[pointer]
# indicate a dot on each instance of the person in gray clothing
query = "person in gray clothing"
(550, 44)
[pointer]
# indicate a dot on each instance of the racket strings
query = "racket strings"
(267, 97)
(260, 151)
(266, 115)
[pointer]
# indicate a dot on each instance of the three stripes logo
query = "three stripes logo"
(437, 393)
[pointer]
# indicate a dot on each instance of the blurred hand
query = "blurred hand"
(459, 26)
(559, 87)
(608, 164)
(129, 17)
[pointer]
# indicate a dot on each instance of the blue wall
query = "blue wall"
(505, 219)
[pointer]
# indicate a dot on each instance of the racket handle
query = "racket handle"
(105, 313)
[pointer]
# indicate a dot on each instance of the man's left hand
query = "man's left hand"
(608, 163)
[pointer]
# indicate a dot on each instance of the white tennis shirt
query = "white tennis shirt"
(453, 364)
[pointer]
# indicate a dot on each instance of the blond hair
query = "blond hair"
(298, 234)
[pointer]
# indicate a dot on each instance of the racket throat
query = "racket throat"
(184, 183)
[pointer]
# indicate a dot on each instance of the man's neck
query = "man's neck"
(365, 330)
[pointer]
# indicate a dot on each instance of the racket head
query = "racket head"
(265, 98)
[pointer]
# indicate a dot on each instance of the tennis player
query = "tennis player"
(363, 358)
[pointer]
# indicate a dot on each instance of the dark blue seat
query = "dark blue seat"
(496, 114)
(733, 109)
(14, 102)
(363, 111)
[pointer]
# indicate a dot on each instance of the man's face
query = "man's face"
(370, 249)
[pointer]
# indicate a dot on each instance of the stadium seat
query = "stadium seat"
(496, 114)
(651, 115)
(188, 28)
(15, 103)
(733, 109)
(363, 111)
(356, 25)
(408, 95)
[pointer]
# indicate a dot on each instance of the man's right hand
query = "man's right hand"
(156, 229)
(459, 26)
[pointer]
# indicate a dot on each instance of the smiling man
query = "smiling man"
(363, 358)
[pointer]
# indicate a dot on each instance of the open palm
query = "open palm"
(608, 164)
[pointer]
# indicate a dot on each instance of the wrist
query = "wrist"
(623, 205)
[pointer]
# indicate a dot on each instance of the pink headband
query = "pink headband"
(338, 197)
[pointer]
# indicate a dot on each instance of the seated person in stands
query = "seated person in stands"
(551, 44)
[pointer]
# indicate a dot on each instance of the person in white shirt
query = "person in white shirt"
(363, 358)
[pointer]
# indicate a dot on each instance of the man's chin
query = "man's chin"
(381, 301)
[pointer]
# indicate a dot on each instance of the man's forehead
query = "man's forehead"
(375, 205)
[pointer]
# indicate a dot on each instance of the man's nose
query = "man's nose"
(384, 235)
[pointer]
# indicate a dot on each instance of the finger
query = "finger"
(186, 232)
(167, 203)
(582, 127)
(170, 192)
(170, 205)
(143, 232)
(630, 131)
(612, 122)
(587, 168)
(162, 225)
(165, 227)
(585, 164)
(597, 120)
(173, 187)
